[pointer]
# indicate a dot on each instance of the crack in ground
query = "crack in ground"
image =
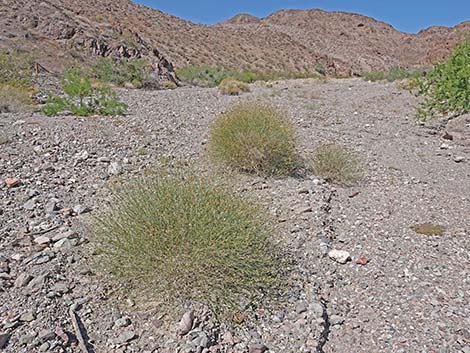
(325, 335)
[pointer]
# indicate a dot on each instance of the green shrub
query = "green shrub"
(122, 72)
(84, 99)
(393, 74)
(189, 240)
(14, 99)
(447, 87)
(233, 87)
(337, 164)
(256, 139)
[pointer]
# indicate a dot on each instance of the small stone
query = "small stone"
(465, 349)
(26, 339)
(257, 348)
(444, 146)
(125, 337)
(30, 205)
(22, 280)
(42, 240)
(339, 256)
(65, 244)
(122, 322)
(362, 261)
(37, 282)
(4, 338)
(80, 209)
(46, 335)
(28, 317)
(51, 207)
(201, 340)
(44, 347)
(336, 320)
(12, 182)
(459, 159)
(64, 235)
(304, 209)
(317, 310)
(186, 323)
(301, 307)
(114, 168)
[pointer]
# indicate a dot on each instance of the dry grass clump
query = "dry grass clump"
(15, 99)
(189, 240)
(337, 164)
(232, 87)
(256, 139)
(428, 229)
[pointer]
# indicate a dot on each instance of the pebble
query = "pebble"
(317, 310)
(459, 159)
(28, 317)
(122, 322)
(301, 307)
(12, 182)
(257, 348)
(114, 168)
(186, 323)
(22, 280)
(80, 209)
(44, 347)
(42, 240)
(339, 256)
(30, 205)
(4, 338)
(125, 337)
(336, 320)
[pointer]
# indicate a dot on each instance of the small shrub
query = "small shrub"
(84, 99)
(428, 229)
(16, 69)
(122, 72)
(233, 87)
(14, 99)
(393, 74)
(337, 164)
(255, 139)
(446, 87)
(189, 240)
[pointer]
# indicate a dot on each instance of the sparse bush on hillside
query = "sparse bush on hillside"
(255, 139)
(447, 87)
(233, 87)
(122, 72)
(337, 164)
(16, 69)
(84, 99)
(393, 74)
(14, 99)
(187, 240)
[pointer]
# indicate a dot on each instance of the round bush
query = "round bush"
(254, 138)
(232, 87)
(189, 241)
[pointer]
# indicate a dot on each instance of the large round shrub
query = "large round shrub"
(189, 240)
(254, 138)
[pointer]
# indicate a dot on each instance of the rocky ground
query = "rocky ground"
(367, 282)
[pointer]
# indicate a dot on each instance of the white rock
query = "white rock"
(339, 256)
(42, 240)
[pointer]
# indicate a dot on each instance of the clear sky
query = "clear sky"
(405, 15)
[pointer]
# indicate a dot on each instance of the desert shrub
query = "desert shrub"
(393, 74)
(187, 240)
(256, 139)
(446, 87)
(207, 76)
(122, 72)
(84, 99)
(233, 87)
(14, 99)
(16, 69)
(336, 164)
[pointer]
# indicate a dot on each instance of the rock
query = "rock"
(26, 339)
(336, 320)
(301, 307)
(465, 349)
(64, 235)
(30, 205)
(80, 209)
(459, 159)
(257, 348)
(38, 282)
(12, 182)
(125, 337)
(122, 322)
(339, 256)
(317, 310)
(51, 207)
(65, 244)
(362, 261)
(114, 168)
(186, 323)
(28, 317)
(200, 340)
(44, 347)
(42, 240)
(304, 209)
(4, 338)
(22, 280)
(46, 335)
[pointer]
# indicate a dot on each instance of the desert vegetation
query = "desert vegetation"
(337, 164)
(233, 87)
(446, 88)
(393, 74)
(123, 72)
(186, 239)
(256, 139)
(83, 98)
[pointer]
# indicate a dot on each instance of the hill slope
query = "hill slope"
(286, 41)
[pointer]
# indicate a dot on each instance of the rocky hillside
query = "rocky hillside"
(287, 41)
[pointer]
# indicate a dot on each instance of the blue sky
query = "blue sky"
(405, 15)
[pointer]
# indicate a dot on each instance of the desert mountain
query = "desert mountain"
(294, 41)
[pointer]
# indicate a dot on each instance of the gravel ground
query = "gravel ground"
(398, 291)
